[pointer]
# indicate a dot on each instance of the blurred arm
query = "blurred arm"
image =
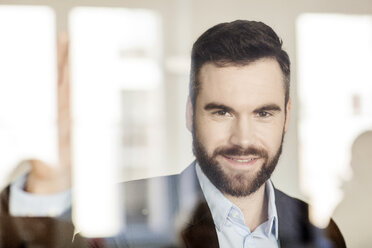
(23, 203)
(45, 191)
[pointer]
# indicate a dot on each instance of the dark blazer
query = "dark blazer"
(295, 229)
(176, 214)
(198, 229)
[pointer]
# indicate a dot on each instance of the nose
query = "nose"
(242, 133)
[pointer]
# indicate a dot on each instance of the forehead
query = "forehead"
(257, 83)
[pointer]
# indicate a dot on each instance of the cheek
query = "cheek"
(271, 138)
(211, 134)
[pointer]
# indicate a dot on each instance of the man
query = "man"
(238, 112)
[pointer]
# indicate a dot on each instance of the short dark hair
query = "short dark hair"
(237, 43)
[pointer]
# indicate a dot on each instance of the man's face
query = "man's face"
(239, 124)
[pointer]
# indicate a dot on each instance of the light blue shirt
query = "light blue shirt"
(22, 203)
(229, 220)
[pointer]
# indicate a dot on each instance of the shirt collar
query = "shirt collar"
(272, 213)
(220, 206)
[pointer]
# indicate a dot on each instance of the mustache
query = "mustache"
(239, 151)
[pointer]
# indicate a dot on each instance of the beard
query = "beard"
(236, 184)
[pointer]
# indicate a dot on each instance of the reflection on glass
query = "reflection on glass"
(335, 93)
(116, 84)
(28, 99)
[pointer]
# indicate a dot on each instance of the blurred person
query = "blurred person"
(21, 228)
(238, 112)
(353, 213)
(33, 190)
(35, 210)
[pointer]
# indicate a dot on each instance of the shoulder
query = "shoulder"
(172, 179)
(4, 201)
(149, 181)
(289, 207)
(296, 229)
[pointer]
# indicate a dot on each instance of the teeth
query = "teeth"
(242, 160)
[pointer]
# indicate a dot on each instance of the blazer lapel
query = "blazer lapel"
(199, 230)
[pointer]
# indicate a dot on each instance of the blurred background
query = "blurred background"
(122, 91)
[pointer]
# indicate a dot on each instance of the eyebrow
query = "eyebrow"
(266, 107)
(212, 106)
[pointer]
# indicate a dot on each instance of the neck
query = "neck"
(254, 207)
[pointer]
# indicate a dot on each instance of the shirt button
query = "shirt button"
(235, 214)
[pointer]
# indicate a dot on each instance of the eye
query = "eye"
(222, 113)
(263, 114)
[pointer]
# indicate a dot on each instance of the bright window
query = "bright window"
(335, 98)
(117, 110)
(28, 93)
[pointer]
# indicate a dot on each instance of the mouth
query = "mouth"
(241, 161)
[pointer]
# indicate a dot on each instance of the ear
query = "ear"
(288, 114)
(189, 114)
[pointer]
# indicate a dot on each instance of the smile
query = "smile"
(241, 161)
